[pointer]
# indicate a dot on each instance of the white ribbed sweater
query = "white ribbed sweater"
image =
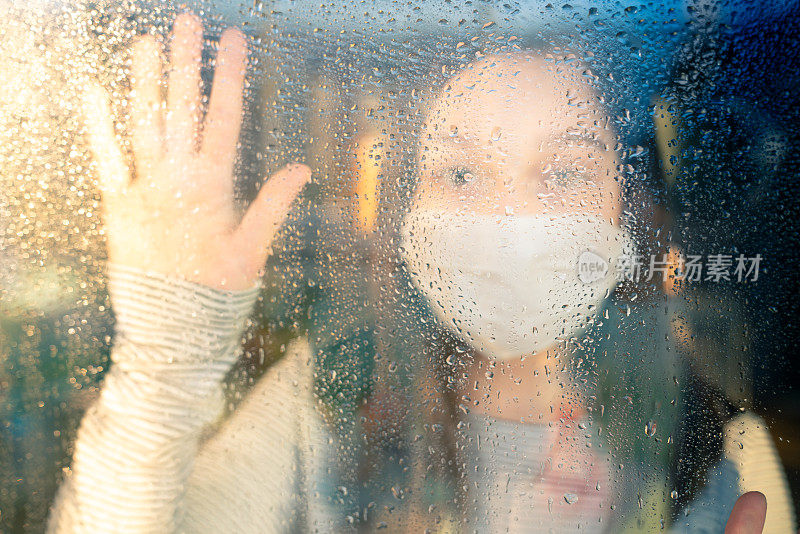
(139, 464)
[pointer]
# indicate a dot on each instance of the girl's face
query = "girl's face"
(518, 136)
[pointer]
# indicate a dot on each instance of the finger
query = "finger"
(146, 104)
(268, 211)
(223, 121)
(185, 90)
(112, 169)
(749, 514)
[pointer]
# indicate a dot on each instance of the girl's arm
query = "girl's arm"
(183, 274)
(175, 341)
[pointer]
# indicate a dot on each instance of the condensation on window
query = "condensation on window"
(454, 266)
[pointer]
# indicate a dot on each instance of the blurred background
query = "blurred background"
(703, 94)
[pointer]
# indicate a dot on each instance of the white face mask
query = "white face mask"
(512, 286)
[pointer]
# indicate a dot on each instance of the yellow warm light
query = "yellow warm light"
(369, 162)
(675, 264)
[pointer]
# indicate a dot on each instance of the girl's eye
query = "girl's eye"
(459, 176)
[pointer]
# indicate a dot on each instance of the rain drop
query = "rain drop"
(650, 428)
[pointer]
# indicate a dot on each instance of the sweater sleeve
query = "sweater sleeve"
(174, 343)
(750, 463)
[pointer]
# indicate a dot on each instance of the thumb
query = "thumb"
(748, 514)
(266, 214)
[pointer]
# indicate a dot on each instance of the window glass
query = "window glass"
(443, 266)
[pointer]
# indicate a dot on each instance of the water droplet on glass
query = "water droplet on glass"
(570, 498)
(650, 428)
(496, 133)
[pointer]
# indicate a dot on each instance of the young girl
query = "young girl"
(518, 179)
(515, 238)
(518, 189)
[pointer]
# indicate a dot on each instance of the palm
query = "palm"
(175, 228)
(178, 216)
